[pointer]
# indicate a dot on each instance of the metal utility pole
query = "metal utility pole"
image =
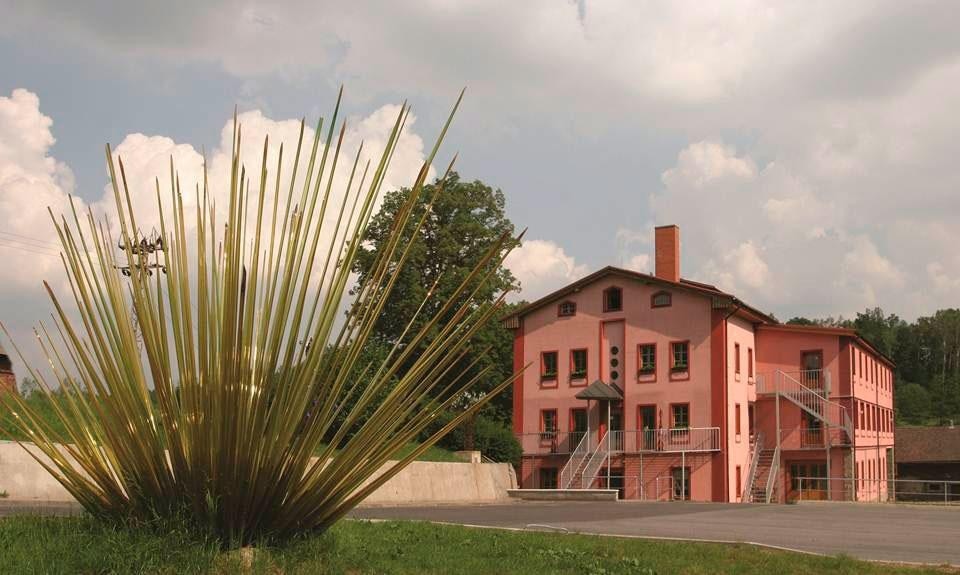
(140, 263)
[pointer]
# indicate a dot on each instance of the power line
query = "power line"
(27, 239)
(26, 249)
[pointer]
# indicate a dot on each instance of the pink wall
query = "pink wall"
(740, 391)
(687, 319)
(782, 350)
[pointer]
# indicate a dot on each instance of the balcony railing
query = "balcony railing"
(551, 442)
(675, 440)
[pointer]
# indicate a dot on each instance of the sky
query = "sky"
(807, 150)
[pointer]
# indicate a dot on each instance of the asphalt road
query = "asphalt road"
(901, 533)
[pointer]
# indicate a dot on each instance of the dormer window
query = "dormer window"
(567, 309)
(612, 299)
(661, 299)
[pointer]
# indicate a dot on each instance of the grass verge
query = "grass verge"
(82, 545)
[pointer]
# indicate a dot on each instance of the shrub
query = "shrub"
(247, 367)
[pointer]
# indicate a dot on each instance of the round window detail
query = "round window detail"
(614, 375)
(614, 362)
(614, 350)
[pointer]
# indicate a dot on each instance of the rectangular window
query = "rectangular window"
(578, 419)
(681, 415)
(567, 309)
(548, 424)
(750, 362)
(647, 353)
(578, 364)
(681, 354)
(853, 361)
(548, 365)
(736, 420)
(681, 483)
(548, 478)
(736, 358)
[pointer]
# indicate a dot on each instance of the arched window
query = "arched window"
(661, 299)
(612, 299)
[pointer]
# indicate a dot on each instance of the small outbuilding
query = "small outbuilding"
(928, 463)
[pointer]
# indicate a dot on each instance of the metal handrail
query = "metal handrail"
(672, 440)
(885, 489)
(754, 463)
(811, 400)
(772, 477)
(568, 473)
(596, 458)
(552, 442)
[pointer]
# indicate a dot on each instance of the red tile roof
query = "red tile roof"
(927, 445)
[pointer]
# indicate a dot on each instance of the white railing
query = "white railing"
(755, 448)
(772, 476)
(808, 389)
(550, 442)
(884, 490)
(596, 460)
(673, 440)
(580, 453)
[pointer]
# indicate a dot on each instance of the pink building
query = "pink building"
(666, 388)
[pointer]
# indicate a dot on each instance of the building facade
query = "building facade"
(666, 388)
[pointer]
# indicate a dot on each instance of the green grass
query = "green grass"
(82, 545)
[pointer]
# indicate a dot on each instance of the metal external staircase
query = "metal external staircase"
(584, 463)
(791, 387)
(596, 460)
(571, 476)
(765, 481)
(755, 447)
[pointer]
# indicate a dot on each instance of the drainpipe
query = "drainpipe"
(607, 435)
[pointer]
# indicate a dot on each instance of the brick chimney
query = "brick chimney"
(667, 247)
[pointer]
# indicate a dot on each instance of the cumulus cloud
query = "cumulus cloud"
(31, 180)
(639, 263)
(542, 266)
(704, 163)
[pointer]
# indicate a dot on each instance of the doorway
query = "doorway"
(808, 481)
(647, 424)
(811, 364)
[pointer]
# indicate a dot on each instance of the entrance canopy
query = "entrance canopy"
(601, 391)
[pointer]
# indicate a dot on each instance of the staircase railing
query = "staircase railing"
(754, 462)
(596, 459)
(772, 476)
(569, 471)
(811, 401)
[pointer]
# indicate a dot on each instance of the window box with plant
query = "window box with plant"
(680, 360)
(548, 368)
(578, 364)
(647, 362)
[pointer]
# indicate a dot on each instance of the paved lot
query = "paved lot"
(879, 532)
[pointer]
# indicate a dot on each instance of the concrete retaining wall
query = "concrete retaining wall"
(421, 482)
